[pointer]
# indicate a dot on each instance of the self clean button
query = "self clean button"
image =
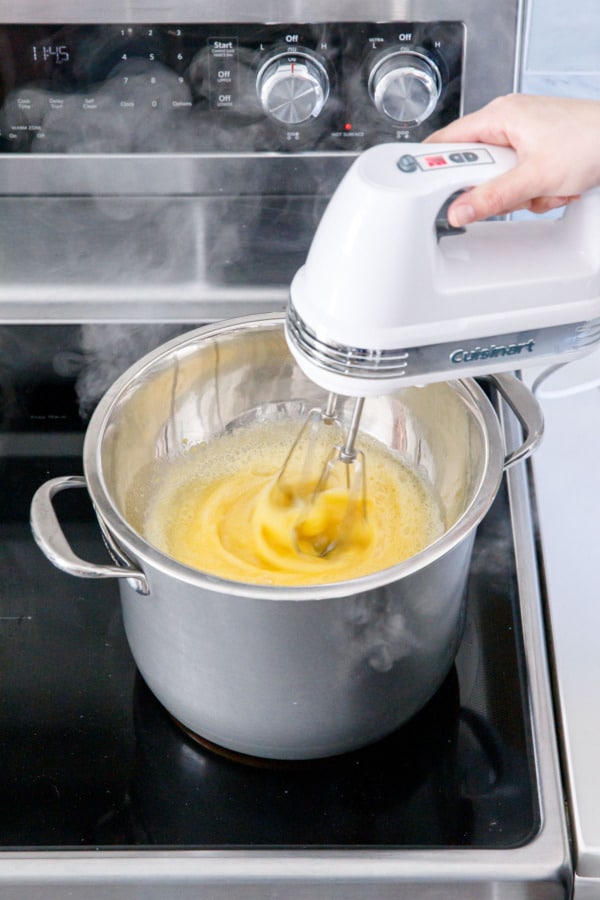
(407, 163)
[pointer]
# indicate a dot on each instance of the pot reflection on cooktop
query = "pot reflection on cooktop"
(89, 758)
(439, 781)
(401, 786)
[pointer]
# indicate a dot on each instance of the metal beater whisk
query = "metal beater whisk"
(324, 474)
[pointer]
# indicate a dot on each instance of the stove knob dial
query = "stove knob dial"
(292, 88)
(405, 87)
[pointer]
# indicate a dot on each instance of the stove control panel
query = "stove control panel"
(222, 87)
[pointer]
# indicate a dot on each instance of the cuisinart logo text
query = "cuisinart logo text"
(491, 352)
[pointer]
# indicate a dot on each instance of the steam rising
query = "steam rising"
(108, 350)
(72, 250)
(35, 362)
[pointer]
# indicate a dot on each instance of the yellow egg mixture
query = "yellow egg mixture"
(219, 509)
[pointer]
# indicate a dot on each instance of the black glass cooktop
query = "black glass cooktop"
(88, 757)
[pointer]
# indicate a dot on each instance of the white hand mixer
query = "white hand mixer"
(383, 301)
(386, 299)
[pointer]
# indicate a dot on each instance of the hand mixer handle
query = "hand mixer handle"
(376, 240)
(378, 277)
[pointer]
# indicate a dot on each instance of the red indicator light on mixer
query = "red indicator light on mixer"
(431, 161)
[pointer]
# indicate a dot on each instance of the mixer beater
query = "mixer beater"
(324, 475)
(391, 296)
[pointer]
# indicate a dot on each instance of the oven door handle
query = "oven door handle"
(51, 539)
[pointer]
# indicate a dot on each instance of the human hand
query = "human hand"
(557, 142)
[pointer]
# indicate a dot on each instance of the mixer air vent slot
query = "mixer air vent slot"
(587, 333)
(359, 362)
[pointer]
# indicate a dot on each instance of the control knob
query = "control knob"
(292, 87)
(405, 86)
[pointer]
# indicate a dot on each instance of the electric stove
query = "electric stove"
(93, 769)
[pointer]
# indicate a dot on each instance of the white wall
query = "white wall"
(562, 48)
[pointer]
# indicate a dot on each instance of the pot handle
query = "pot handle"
(526, 408)
(51, 539)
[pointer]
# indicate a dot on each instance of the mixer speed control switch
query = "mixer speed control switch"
(407, 163)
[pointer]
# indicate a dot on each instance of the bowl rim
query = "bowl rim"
(150, 559)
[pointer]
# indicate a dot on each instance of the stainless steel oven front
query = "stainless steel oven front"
(162, 165)
(170, 160)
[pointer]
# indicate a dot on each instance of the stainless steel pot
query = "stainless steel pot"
(282, 672)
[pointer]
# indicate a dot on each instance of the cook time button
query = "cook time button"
(22, 118)
(223, 75)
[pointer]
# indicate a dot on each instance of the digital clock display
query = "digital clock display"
(55, 53)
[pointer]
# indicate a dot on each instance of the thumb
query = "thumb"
(501, 195)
